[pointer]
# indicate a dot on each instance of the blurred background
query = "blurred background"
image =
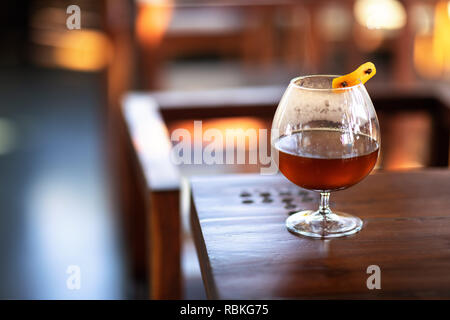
(66, 196)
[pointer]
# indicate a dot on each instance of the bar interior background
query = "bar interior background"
(69, 194)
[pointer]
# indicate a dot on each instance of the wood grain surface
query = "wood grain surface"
(246, 252)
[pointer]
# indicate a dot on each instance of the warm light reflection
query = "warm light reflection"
(84, 50)
(408, 140)
(432, 51)
(238, 124)
(243, 129)
(152, 20)
(380, 14)
(55, 46)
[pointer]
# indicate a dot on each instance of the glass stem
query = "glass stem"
(324, 207)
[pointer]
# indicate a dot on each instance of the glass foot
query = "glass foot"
(314, 224)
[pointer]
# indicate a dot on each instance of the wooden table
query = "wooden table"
(151, 182)
(245, 251)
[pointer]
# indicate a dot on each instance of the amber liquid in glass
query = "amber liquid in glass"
(326, 159)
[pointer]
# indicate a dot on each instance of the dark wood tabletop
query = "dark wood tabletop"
(246, 252)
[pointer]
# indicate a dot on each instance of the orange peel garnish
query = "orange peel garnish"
(360, 75)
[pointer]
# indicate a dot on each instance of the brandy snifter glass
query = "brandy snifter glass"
(325, 140)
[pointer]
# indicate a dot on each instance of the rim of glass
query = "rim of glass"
(296, 85)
